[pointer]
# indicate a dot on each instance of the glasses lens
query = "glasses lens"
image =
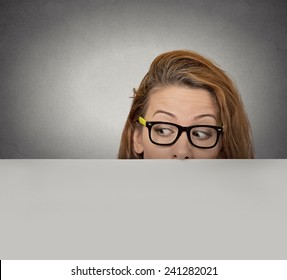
(203, 136)
(163, 133)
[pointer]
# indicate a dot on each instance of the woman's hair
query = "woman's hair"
(189, 69)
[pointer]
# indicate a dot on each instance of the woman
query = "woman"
(186, 107)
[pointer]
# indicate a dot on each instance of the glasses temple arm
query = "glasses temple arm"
(142, 121)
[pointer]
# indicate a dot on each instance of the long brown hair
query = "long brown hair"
(189, 69)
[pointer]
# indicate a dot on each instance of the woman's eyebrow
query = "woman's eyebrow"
(195, 118)
(164, 112)
(205, 115)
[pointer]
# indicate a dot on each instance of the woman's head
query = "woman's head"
(188, 90)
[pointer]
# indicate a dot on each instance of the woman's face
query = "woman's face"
(182, 106)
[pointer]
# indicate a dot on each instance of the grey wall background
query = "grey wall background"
(67, 68)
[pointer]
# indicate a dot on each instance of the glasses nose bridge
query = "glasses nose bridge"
(186, 129)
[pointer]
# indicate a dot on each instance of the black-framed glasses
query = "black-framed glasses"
(166, 133)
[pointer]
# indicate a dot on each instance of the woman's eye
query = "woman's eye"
(201, 134)
(164, 131)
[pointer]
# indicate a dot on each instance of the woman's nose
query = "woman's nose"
(182, 149)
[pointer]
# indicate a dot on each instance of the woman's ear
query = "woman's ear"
(221, 154)
(137, 139)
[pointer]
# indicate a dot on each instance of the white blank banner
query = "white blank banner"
(117, 209)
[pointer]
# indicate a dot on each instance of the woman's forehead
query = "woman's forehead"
(181, 101)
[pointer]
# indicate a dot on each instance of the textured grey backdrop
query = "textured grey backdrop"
(67, 68)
